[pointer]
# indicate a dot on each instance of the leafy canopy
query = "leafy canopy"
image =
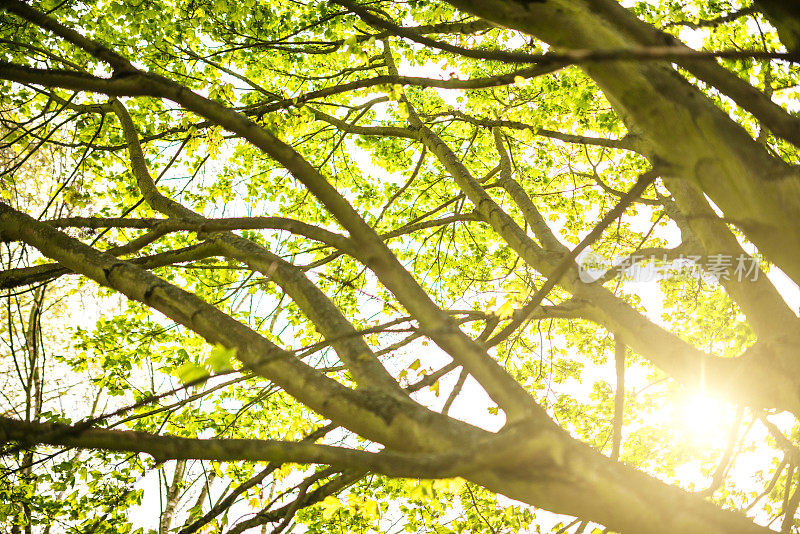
(322, 266)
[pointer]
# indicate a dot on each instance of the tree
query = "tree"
(255, 253)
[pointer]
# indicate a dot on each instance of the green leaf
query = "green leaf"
(330, 505)
(189, 372)
(505, 311)
(220, 358)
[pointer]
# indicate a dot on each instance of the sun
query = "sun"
(704, 419)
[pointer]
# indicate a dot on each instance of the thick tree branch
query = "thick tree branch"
(560, 59)
(164, 447)
(12, 278)
(353, 350)
(764, 307)
(351, 409)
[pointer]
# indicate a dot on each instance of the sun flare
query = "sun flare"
(704, 419)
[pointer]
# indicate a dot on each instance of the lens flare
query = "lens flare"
(704, 419)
